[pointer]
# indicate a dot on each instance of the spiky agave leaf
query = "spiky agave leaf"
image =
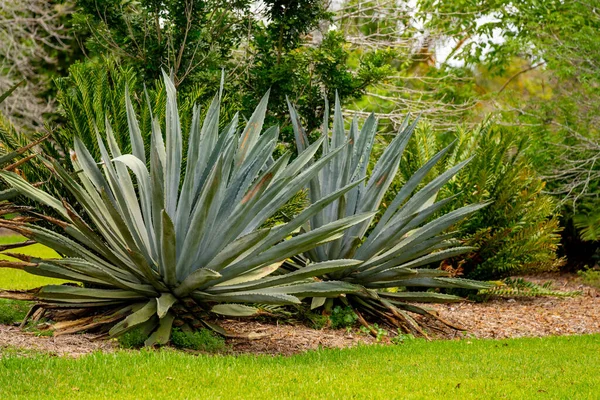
(164, 244)
(397, 251)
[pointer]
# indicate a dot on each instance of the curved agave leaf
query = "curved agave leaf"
(235, 310)
(165, 236)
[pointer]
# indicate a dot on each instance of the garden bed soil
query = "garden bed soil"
(497, 318)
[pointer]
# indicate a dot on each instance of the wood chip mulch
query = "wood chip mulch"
(289, 339)
(65, 345)
(530, 316)
(498, 318)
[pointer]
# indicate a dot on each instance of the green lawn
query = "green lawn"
(16, 279)
(551, 368)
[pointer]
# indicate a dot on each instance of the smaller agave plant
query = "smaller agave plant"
(398, 250)
(163, 244)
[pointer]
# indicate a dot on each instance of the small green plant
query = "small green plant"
(133, 339)
(308, 317)
(381, 333)
(590, 276)
(12, 311)
(343, 317)
(203, 340)
(374, 330)
(402, 337)
(316, 320)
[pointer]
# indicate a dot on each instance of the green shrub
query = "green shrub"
(203, 340)
(590, 276)
(519, 231)
(133, 339)
(343, 317)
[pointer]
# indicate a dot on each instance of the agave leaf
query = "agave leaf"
(394, 232)
(276, 235)
(8, 194)
(68, 247)
(164, 303)
(422, 297)
(317, 302)
(299, 132)
(89, 167)
(65, 292)
(125, 200)
(304, 158)
(97, 207)
(317, 269)
(291, 188)
(407, 235)
(444, 282)
(195, 280)
(135, 134)
(235, 310)
(237, 249)
(140, 316)
(406, 191)
(384, 272)
(169, 250)
(247, 297)
(320, 289)
(52, 271)
(198, 221)
(83, 233)
(254, 275)
(144, 185)
(173, 143)
(431, 189)
(424, 233)
(253, 128)
(100, 275)
(295, 245)
(162, 334)
(32, 192)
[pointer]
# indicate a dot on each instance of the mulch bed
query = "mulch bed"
(497, 318)
(530, 316)
(70, 345)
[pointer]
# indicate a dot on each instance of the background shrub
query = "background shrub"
(203, 340)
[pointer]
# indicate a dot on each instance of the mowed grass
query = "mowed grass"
(550, 368)
(17, 279)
